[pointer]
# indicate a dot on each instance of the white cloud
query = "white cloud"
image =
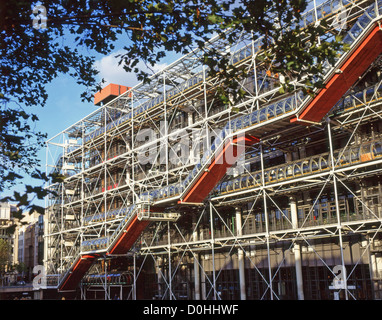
(111, 72)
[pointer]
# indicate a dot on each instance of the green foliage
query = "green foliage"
(287, 50)
(32, 58)
(4, 255)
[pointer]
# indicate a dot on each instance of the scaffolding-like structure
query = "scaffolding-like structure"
(171, 194)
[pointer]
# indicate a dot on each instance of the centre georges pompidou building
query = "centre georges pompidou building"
(170, 194)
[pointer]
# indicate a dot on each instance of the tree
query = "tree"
(4, 256)
(31, 58)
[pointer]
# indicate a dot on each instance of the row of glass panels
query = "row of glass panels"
(266, 113)
(320, 163)
(291, 170)
(369, 95)
(323, 11)
(256, 117)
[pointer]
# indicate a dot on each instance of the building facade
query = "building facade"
(29, 242)
(171, 194)
(6, 221)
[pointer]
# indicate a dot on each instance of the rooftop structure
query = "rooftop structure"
(108, 93)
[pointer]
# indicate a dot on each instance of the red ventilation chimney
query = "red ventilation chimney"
(109, 93)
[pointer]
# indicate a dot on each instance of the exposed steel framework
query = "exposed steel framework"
(211, 201)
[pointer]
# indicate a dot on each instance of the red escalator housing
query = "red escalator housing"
(350, 71)
(77, 273)
(218, 168)
(122, 246)
(129, 236)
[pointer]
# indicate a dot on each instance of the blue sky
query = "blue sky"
(64, 102)
(64, 106)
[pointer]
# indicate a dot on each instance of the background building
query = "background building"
(29, 243)
(25, 238)
(170, 194)
(7, 220)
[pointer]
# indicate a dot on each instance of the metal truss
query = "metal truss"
(153, 136)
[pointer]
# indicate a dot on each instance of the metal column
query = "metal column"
(297, 251)
(339, 226)
(240, 256)
(196, 262)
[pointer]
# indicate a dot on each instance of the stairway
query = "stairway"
(225, 157)
(128, 236)
(365, 39)
(76, 273)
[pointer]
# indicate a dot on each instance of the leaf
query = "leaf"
(214, 19)
(290, 64)
(338, 38)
